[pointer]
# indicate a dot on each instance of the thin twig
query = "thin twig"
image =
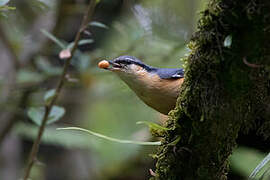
(32, 157)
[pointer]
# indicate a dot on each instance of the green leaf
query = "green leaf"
(49, 95)
(7, 8)
(28, 76)
(228, 41)
(157, 143)
(152, 125)
(85, 41)
(53, 38)
(81, 42)
(40, 5)
(3, 2)
(44, 65)
(56, 114)
(3, 14)
(83, 62)
(155, 129)
(36, 114)
(98, 24)
(260, 166)
(174, 142)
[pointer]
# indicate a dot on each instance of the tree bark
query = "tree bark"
(226, 90)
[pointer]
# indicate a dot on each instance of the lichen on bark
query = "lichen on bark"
(226, 90)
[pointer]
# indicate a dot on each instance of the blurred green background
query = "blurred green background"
(156, 31)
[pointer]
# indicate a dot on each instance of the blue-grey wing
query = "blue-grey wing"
(167, 73)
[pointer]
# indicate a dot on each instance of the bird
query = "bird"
(156, 87)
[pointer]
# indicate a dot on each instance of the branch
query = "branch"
(87, 16)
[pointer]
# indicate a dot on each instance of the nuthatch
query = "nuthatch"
(157, 87)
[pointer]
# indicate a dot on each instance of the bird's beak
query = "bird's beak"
(114, 66)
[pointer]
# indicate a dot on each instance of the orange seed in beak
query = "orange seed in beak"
(103, 64)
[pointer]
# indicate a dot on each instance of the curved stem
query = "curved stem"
(87, 16)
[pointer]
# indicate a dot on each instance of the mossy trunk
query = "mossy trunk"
(226, 90)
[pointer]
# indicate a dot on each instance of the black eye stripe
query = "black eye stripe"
(123, 62)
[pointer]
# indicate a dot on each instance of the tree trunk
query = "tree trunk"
(226, 90)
